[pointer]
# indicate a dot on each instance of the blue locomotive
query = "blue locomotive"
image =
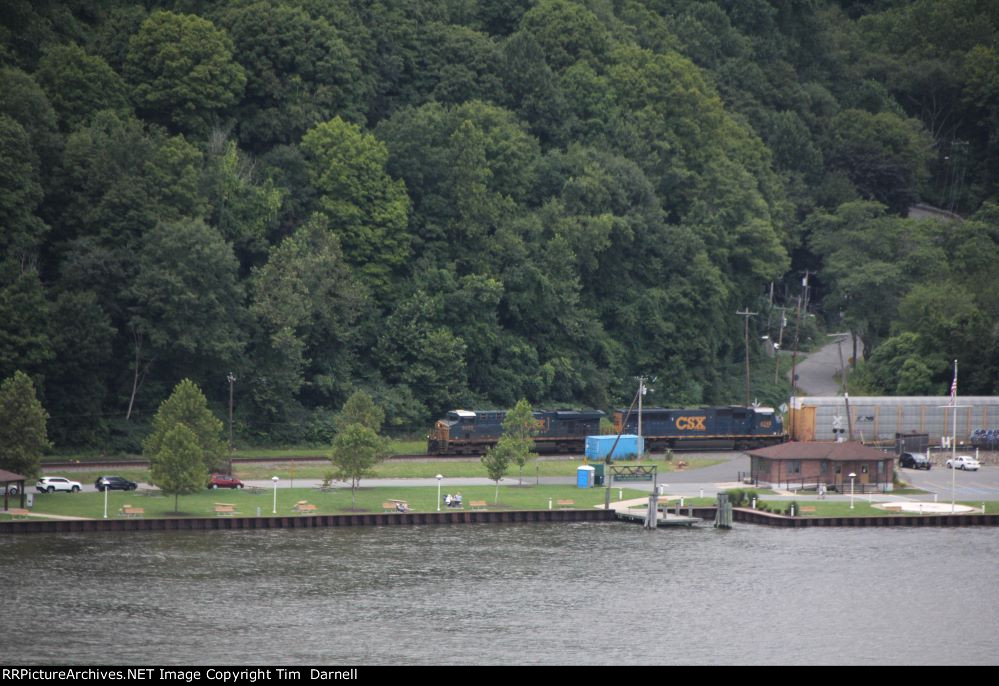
(468, 432)
(728, 427)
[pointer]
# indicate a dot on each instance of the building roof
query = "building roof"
(6, 476)
(848, 451)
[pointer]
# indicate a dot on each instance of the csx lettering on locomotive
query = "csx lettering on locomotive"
(691, 423)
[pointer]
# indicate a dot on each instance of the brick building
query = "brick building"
(806, 465)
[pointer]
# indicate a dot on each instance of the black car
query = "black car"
(914, 461)
(114, 483)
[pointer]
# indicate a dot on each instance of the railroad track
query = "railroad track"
(142, 464)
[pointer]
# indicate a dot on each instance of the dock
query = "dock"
(625, 511)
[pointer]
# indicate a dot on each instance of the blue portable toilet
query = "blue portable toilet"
(584, 477)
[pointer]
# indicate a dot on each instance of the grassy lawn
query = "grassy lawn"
(403, 469)
(338, 501)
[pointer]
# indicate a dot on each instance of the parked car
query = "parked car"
(115, 483)
(914, 460)
(224, 481)
(51, 484)
(10, 489)
(963, 462)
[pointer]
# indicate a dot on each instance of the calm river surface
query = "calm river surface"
(518, 594)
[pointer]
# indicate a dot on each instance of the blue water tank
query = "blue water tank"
(629, 447)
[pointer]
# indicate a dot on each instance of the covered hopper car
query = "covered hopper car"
(468, 432)
(704, 428)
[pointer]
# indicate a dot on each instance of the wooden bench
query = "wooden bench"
(566, 504)
(18, 513)
(807, 509)
(393, 506)
(303, 506)
(129, 511)
(224, 509)
(477, 504)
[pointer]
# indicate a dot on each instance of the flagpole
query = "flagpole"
(953, 440)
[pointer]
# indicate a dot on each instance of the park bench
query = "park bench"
(254, 490)
(807, 509)
(394, 506)
(477, 504)
(565, 504)
(224, 509)
(18, 513)
(303, 506)
(129, 511)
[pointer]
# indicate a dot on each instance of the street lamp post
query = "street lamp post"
(439, 477)
(232, 379)
(105, 483)
(852, 477)
(275, 480)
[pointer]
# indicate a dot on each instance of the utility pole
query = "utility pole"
(780, 341)
(641, 392)
(232, 380)
(747, 314)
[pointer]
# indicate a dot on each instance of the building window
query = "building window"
(863, 468)
(794, 466)
(823, 468)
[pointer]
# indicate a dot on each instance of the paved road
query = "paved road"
(817, 372)
(968, 486)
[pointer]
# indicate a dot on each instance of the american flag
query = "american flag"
(953, 386)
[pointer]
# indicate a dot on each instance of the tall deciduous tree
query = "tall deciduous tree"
(356, 450)
(497, 461)
(188, 407)
(366, 208)
(23, 437)
(177, 466)
(519, 426)
(182, 71)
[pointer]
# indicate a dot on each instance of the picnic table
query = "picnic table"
(129, 511)
(224, 509)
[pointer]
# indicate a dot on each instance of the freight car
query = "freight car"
(878, 419)
(466, 432)
(705, 428)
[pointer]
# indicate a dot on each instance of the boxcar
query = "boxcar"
(705, 428)
(470, 432)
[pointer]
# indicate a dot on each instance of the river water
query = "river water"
(582, 593)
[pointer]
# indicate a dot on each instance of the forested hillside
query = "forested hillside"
(460, 203)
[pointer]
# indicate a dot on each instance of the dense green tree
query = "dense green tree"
(187, 407)
(20, 194)
(23, 436)
(299, 72)
(79, 84)
(366, 208)
(182, 71)
(361, 409)
(25, 342)
(186, 301)
(307, 303)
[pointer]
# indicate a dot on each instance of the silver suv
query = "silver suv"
(50, 484)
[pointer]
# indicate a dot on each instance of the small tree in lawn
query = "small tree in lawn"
(497, 460)
(23, 437)
(187, 405)
(178, 466)
(519, 426)
(356, 450)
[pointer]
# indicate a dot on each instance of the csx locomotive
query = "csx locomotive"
(703, 428)
(466, 432)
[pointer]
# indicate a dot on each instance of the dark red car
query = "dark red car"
(224, 481)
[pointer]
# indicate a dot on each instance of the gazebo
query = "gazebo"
(798, 465)
(8, 478)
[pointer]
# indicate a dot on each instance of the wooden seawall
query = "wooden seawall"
(750, 516)
(305, 521)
